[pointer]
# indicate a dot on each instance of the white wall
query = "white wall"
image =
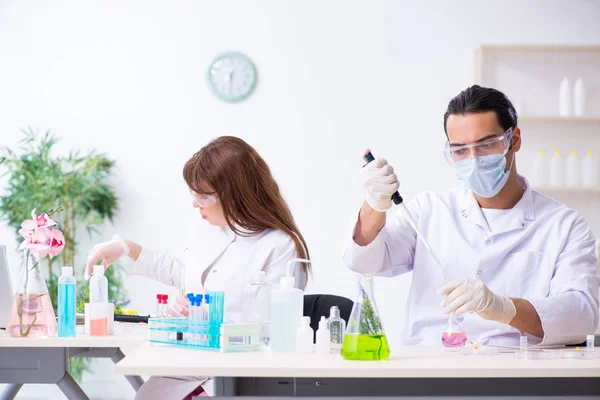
(127, 78)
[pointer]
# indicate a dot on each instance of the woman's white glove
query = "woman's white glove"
(381, 183)
(108, 252)
(471, 294)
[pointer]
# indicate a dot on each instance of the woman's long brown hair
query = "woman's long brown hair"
(248, 193)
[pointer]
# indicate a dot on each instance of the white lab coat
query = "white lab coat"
(231, 259)
(543, 252)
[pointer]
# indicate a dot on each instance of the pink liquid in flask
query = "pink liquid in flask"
(456, 339)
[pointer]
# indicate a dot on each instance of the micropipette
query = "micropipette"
(452, 336)
(397, 199)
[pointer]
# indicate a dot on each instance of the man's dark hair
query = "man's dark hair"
(477, 99)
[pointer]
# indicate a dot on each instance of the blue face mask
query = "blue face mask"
(485, 175)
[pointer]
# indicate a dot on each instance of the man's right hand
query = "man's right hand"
(381, 183)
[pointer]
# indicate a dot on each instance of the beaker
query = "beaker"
(31, 312)
(453, 335)
(365, 339)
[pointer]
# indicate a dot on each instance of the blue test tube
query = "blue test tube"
(206, 305)
(190, 297)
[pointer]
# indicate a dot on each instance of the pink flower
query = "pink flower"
(37, 221)
(39, 242)
(57, 243)
(39, 238)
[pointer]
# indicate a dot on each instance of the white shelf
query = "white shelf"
(539, 48)
(564, 189)
(559, 120)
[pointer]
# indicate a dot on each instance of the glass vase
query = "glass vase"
(365, 339)
(31, 313)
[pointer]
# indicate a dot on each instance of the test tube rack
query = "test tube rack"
(223, 337)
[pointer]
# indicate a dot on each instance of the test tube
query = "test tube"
(190, 297)
(158, 305)
(199, 319)
(200, 303)
(207, 302)
(165, 305)
(589, 341)
(523, 344)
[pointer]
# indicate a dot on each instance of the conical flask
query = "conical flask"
(31, 313)
(365, 339)
(453, 335)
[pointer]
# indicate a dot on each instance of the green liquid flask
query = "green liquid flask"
(365, 339)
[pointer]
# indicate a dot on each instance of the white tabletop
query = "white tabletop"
(126, 335)
(405, 362)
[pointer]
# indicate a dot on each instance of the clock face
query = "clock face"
(231, 76)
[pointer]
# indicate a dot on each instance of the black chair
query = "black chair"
(317, 305)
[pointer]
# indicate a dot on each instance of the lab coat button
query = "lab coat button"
(479, 272)
(488, 241)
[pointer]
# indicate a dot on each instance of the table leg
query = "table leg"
(10, 391)
(135, 381)
(71, 389)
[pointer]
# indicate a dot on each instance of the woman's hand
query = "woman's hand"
(180, 309)
(108, 252)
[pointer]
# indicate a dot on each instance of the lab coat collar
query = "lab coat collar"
(246, 234)
(522, 211)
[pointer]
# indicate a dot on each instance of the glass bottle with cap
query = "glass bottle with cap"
(337, 329)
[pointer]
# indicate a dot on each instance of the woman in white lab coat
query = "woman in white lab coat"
(250, 228)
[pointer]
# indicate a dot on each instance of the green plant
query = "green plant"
(36, 178)
(370, 324)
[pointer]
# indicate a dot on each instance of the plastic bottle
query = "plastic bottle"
(573, 175)
(590, 171)
(287, 304)
(66, 303)
(256, 305)
(565, 98)
(589, 344)
(579, 98)
(540, 170)
(556, 170)
(304, 336)
(98, 302)
(323, 338)
(337, 328)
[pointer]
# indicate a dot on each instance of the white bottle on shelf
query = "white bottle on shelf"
(540, 170)
(590, 171)
(573, 175)
(565, 98)
(556, 170)
(579, 98)
(304, 337)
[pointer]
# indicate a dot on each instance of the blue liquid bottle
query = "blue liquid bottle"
(66, 303)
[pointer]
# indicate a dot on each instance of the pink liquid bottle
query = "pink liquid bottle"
(453, 335)
(98, 302)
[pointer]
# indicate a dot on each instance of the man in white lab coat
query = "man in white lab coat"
(517, 261)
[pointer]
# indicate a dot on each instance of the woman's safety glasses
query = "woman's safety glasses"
(488, 147)
(203, 200)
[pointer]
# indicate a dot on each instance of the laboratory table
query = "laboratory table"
(410, 371)
(46, 360)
